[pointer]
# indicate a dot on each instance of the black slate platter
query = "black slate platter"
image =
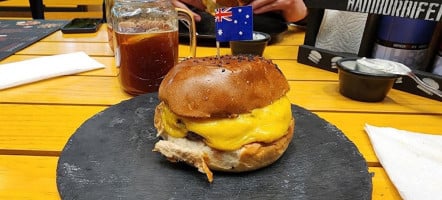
(110, 157)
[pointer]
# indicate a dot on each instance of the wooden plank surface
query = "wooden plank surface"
(99, 36)
(25, 3)
(68, 90)
(54, 9)
(52, 48)
(103, 49)
(352, 125)
(313, 95)
(291, 69)
(14, 3)
(108, 62)
(383, 189)
(293, 37)
(325, 96)
(37, 129)
(96, 45)
(33, 129)
(73, 2)
(28, 177)
(33, 177)
(72, 15)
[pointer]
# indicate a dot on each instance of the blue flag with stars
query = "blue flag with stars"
(234, 23)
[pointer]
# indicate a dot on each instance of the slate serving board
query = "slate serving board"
(110, 157)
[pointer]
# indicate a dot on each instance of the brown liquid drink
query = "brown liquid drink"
(145, 58)
(146, 42)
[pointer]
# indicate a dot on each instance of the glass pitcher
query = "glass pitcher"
(146, 42)
(108, 4)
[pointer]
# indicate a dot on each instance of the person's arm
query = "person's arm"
(291, 10)
(185, 3)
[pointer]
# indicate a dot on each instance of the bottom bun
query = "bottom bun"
(196, 153)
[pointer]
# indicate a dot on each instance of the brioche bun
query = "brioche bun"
(208, 87)
(199, 89)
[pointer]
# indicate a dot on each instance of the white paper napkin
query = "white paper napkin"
(27, 71)
(413, 161)
(341, 31)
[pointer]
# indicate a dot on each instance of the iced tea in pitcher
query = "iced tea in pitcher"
(145, 58)
(146, 42)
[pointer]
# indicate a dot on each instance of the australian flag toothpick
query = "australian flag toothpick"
(234, 23)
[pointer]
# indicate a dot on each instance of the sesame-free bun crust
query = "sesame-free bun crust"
(196, 153)
(212, 87)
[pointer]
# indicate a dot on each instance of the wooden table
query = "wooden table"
(37, 119)
(51, 9)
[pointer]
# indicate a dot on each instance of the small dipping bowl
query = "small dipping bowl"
(361, 83)
(254, 47)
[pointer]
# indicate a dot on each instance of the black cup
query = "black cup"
(253, 47)
(362, 84)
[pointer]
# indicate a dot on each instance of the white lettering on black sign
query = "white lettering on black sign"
(398, 8)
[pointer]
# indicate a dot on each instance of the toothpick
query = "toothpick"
(217, 42)
(217, 50)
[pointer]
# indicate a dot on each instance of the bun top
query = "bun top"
(212, 87)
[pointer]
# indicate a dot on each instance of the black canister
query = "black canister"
(403, 40)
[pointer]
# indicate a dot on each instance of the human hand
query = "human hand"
(195, 3)
(291, 10)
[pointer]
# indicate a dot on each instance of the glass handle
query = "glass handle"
(187, 18)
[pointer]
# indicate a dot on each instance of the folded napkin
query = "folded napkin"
(413, 161)
(341, 31)
(22, 72)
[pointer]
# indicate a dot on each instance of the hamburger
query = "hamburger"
(226, 114)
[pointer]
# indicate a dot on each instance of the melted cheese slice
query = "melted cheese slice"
(261, 125)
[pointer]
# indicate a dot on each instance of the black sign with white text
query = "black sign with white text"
(418, 9)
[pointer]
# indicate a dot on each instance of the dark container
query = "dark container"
(404, 40)
(254, 47)
(363, 84)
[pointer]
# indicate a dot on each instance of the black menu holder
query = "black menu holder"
(328, 59)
